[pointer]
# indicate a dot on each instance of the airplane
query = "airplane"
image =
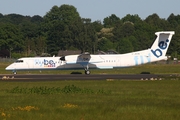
(88, 61)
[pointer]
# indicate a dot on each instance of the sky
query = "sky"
(94, 9)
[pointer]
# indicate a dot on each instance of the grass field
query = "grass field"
(87, 100)
(93, 100)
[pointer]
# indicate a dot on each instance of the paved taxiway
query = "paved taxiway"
(47, 77)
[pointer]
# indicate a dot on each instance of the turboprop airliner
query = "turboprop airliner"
(87, 61)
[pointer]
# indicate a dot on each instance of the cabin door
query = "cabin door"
(31, 63)
(118, 62)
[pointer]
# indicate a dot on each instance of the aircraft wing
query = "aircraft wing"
(82, 59)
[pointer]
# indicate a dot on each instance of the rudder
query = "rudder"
(161, 44)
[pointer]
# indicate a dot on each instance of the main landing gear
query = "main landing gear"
(87, 72)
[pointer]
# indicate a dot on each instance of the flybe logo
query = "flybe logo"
(162, 46)
(49, 63)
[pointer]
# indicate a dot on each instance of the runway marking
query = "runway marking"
(107, 77)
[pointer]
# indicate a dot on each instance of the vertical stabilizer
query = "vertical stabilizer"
(161, 44)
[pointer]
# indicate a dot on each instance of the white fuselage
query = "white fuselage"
(86, 61)
(108, 61)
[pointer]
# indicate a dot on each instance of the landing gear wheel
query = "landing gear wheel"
(87, 72)
(14, 72)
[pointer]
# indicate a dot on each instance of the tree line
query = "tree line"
(62, 28)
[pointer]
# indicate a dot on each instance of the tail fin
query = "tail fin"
(161, 44)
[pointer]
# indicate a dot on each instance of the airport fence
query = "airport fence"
(7, 60)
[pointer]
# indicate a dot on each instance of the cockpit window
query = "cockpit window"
(19, 61)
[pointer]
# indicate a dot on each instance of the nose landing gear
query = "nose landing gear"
(14, 72)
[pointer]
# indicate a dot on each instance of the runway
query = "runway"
(51, 77)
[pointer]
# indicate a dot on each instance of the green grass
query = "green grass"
(108, 100)
(89, 100)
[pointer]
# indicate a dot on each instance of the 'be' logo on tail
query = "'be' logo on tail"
(162, 46)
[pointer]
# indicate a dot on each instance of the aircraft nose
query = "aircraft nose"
(9, 67)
